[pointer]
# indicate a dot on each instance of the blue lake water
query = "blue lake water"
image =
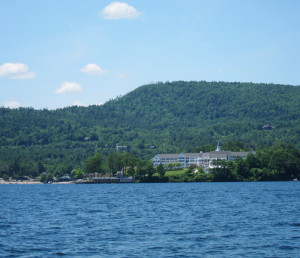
(163, 220)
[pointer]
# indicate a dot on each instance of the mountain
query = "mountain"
(186, 104)
(156, 118)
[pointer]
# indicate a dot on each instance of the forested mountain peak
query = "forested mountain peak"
(192, 103)
(168, 117)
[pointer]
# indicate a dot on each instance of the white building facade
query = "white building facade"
(203, 159)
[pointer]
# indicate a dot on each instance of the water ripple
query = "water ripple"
(158, 220)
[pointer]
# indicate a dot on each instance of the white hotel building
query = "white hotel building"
(202, 159)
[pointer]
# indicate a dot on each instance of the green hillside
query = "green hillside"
(173, 117)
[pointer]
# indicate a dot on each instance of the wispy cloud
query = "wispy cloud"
(16, 71)
(69, 87)
(11, 104)
(20, 76)
(93, 69)
(122, 75)
(118, 10)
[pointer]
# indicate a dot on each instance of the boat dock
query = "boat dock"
(106, 180)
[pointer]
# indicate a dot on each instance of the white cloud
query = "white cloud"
(16, 71)
(93, 69)
(27, 75)
(9, 69)
(69, 87)
(118, 10)
(11, 104)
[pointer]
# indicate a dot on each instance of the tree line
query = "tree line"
(280, 162)
(170, 117)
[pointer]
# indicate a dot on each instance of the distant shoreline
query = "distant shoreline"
(56, 183)
(31, 183)
(19, 182)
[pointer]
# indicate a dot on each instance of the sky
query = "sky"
(55, 53)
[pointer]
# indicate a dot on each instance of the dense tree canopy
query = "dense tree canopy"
(280, 162)
(157, 118)
(95, 164)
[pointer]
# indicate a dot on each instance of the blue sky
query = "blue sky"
(55, 54)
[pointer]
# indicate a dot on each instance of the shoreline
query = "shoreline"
(2, 182)
(19, 183)
(56, 183)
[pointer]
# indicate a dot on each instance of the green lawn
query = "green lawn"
(172, 173)
(175, 172)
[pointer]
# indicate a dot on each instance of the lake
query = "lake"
(258, 219)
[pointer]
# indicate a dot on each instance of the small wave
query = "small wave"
(295, 224)
(60, 254)
(5, 226)
(35, 249)
(155, 248)
(286, 247)
(94, 211)
(279, 224)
